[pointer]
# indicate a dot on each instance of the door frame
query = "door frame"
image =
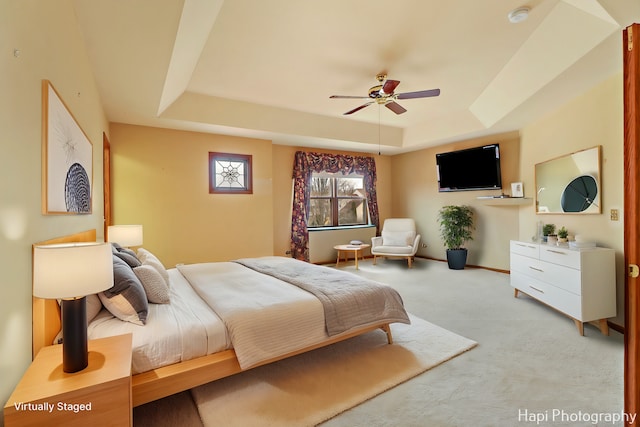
(631, 94)
(106, 183)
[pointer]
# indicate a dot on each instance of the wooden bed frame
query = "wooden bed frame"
(167, 380)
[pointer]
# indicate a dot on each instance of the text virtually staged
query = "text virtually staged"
(53, 406)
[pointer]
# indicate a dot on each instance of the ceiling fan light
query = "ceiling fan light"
(518, 15)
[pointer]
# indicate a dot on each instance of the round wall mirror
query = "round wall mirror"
(579, 194)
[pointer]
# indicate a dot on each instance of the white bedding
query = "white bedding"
(217, 306)
(259, 310)
(184, 329)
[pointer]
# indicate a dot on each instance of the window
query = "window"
(337, 201)
(230, 173)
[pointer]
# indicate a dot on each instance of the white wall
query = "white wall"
(50, 47)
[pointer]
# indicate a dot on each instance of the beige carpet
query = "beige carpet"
(311, 388)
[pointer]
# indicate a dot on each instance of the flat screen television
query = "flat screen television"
(471, 169)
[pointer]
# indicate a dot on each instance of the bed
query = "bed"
(230, 317)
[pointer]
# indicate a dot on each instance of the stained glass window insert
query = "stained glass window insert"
(230, 173)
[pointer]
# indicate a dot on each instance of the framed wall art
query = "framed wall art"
(230, 173)
(516, 189)
(67, 158)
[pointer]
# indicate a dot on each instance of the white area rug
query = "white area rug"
(308, 389)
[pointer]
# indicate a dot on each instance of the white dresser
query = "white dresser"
(579, 283)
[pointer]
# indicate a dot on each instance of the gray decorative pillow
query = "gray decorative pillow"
(154, 285)
(126, 299)
(131, 260)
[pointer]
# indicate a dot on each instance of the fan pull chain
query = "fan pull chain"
(378, 129)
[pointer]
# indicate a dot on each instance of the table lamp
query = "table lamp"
(126, 236)
(71, 272)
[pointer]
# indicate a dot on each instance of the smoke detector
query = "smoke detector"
(518, 15)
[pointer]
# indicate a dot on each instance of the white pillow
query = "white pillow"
(147, 258)
(142, 254)
(398, 238)
(94, 305)
(155, 263)
(154, 284)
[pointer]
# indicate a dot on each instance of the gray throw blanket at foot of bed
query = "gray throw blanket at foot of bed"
(349, 301)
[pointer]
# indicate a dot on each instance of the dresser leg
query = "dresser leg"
(580, 327)
(604, 327)
(515, 293)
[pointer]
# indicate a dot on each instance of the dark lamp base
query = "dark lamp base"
(74, 333)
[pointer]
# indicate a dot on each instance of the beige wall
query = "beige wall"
(160, 180)
(595, 118)
(415, 194)
(46, 34)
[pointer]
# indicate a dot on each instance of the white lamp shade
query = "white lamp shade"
(72, 270)
(125, 235)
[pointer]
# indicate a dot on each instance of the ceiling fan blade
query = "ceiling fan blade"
(419, 94)
(358, 108)
(347, 97)
(395, 107)
(389, 86)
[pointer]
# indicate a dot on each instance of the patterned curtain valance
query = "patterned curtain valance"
(305, 164)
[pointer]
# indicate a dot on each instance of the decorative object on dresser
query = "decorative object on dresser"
(456, 228)
(579, 283)
(563, 235)
(548, 229)
(99, 396)
(70, 272)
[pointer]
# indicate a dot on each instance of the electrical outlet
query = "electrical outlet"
(423, 245)
(614, 215)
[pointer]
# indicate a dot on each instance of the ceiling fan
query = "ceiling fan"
(384, 94)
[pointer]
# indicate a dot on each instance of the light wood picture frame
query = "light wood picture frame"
(67, 158)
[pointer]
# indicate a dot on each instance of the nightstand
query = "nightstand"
(99, 395)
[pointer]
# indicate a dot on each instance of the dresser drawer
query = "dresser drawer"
(557, 298)
(526, 249)
(561, 256)
(563, 277)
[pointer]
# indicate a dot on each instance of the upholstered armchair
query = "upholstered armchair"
(399, 239)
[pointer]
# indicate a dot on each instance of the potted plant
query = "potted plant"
(563, 233)
(548, 229)
(456, 226)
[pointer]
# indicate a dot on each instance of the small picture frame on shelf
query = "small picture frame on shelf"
(517, 189)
